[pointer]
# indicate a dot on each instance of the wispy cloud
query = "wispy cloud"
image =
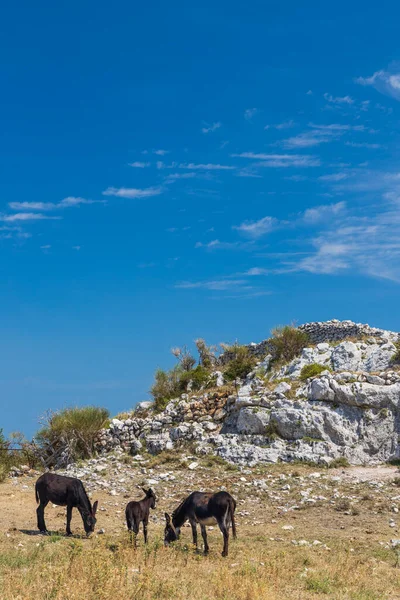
(384, 81)
(322, 212)
(283, 125)
(206, 167)
(26, 217)
(68, 202)
(175, 176)
(280, 160)
(139, 165)
(339, 99)
(210, 128)
(363, 145)
(214, 284)
(255, 271)
(250, 113)
(133, 192)
(320, 134)
(333, 177)
(161, 152)
(256, 229)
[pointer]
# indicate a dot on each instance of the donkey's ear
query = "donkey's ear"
(167, 518)
(145, 491)
(94, 509)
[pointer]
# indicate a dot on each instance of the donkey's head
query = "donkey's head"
(171, 533)
(150, 494)
(89, 519)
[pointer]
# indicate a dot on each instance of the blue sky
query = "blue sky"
(170, 171)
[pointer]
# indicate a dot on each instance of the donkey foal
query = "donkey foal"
(138, 512)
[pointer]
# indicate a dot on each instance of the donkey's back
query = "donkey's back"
(59, 489)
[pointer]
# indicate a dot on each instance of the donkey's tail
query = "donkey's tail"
(232, 507)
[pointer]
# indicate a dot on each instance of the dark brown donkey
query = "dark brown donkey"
(64, 491)
(205, 509)
(138, 512)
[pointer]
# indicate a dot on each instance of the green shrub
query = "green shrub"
(396, 355)
(207, 356)
(72, 430)
(287, 342)
(241, 363)
(198, 376)
(312, 371)
(5, 458)
(339, 462)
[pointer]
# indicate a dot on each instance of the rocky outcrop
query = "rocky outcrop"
(350, 410)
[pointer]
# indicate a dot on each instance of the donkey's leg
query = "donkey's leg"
(134, 530)
(69, 517)
(204, 536)
(225, 533)
(40, 516)
(145, 523)
(194, 532)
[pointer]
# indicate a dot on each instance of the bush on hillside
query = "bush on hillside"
(186, 360)
(72, 431)
(396, 355)
(5, 458)
(198, 378)
(287, 342)
(312, 371)
(207, 358)
(241, 363)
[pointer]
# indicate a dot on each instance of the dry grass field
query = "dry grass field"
(303, 533)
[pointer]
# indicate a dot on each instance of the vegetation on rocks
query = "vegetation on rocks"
(73, 431)
(287, 342)
(241, 364)
(312, 370)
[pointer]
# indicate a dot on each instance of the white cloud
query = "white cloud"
(133, 192)
(249, 113)
(333, 177)
(210, 128)
(205, 167)
(214, 284)
(384, 81)
(339, 99)
(139, 165)
(26, 217)
(77, 248)
(281, 160)
(68, 202)
(285, 125)
(320, 134)
(258, 228)
(323, 212)
(175, 176)
(45, 247)
(363, 145)
(161, 152)
(255, 271)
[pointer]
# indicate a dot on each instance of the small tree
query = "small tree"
(287, 342)
(186, 360)
(207, 356)
(240, 364)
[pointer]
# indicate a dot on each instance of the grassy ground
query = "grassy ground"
(276, 555)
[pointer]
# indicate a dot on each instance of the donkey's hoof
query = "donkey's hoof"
(224, 554)
(44, 532)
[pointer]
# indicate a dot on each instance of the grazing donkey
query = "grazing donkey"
(205, 509)
(138, 512)
(64, 491)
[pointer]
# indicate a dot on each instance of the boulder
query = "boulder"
(252, 420)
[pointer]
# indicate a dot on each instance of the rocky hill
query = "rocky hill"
(345, 405)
